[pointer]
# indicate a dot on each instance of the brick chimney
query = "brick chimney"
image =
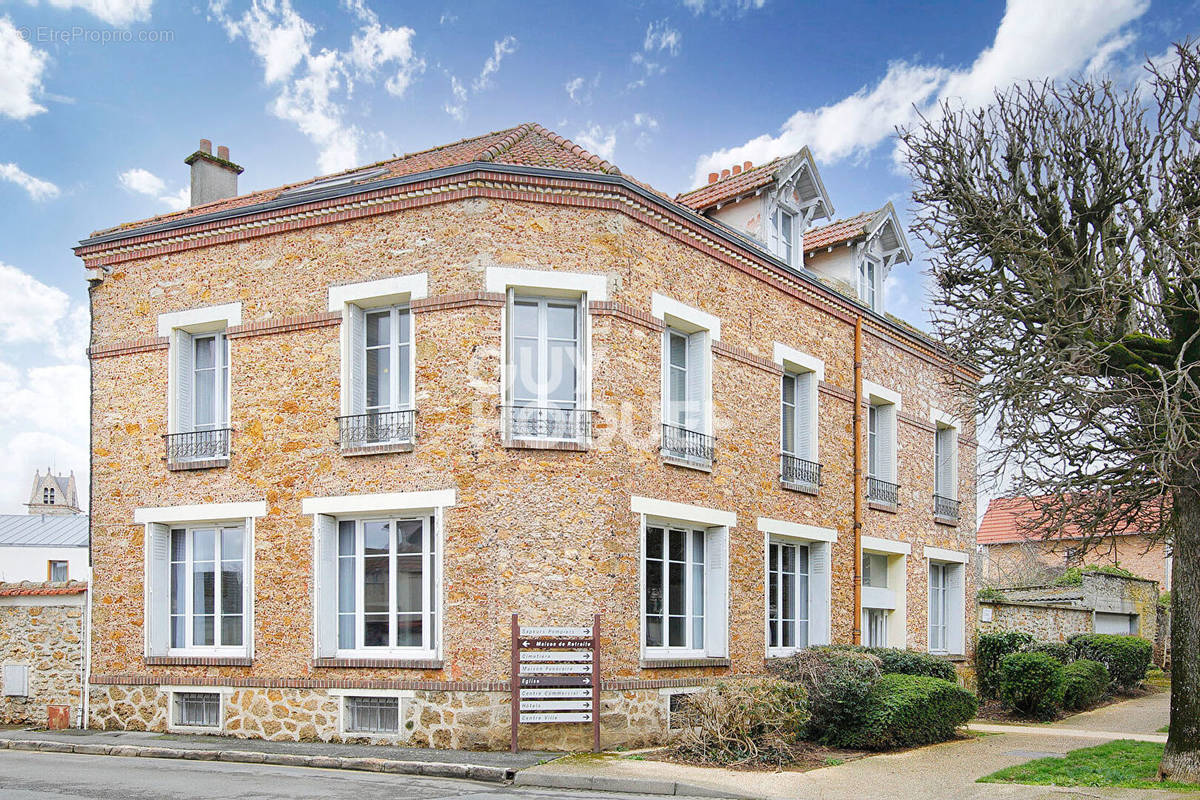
(213, 177)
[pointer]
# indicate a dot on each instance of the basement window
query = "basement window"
(372, 715)
(197, 709)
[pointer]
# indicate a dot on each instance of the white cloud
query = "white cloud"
(447, 18)
(457, 106)
(313, 84)
(573, 88)
(36, 313)
(26, 451)
(21, 68)
(599, 140)
(723, 7)
(145, 182)
(661, 36)
(37, 188)
(118, 13)
(500, 49)
(1034, 40)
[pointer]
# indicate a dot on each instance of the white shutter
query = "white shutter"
(16, 680)
(248, 586)
(886, 426)
(697, 377)
(946, 483)
(325, 585)
(818, 593)
(716, 579)
(804, 415)
(181, 346)
(158, 589)
(356, 338)
(954, 608)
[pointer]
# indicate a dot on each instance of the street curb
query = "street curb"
(474, 772)
(602, 783)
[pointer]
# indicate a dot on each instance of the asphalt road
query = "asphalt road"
(30, 776)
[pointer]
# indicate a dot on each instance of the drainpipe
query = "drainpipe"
(858, 481)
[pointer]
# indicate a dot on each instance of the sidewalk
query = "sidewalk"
(479, 766)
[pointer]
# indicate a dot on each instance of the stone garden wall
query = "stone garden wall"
(44, 633)
(1046, 623)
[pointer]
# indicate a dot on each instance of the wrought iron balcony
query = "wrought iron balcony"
(883, 492)
(542, 423)
(945, 509)
(377, 428)
(799, 473)
(197, 446)
(687, 445)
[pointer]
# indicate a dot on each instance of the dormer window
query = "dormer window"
(782, 234)
(47, 497)
(868, 278)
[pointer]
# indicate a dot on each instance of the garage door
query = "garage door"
(1123, 624)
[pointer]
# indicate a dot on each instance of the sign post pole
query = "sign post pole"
(596, 684)
(515, 681)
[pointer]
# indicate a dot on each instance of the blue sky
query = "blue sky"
(100, 101)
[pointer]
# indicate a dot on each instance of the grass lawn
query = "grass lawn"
(1123, 763)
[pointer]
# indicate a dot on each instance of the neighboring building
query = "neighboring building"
(402, 403)
(1100, 603)
(42, 628)
(1012, 555)
(53, 494)
(53, 547)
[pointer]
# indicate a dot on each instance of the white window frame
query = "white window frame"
(795, 362)
(938, 606)
(868, 628)
(702, 330)
(543, 302)
(945, 485)
(882, 443)
(220, 370)
(223, 696)
(819, 542)
(326, 512)
(404, 699)
(179, 327)
(869, 269)
(66, 569)
(893, 598)
(953, 564)
(190, 648)
(400, 388)
(157, 522)
(664, 529)
(784, 238)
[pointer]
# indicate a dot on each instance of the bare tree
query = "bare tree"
(1063, 223)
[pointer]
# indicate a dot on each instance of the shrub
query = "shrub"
(989, 593)
(1126, 657)
(1074, 575)
(908, 710)
(894, 661)
(1061, 652)
(837, 682)
(740, 722)
(1031, 683)
(1084, 683)
(991, 649)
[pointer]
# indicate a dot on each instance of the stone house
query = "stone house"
(42, 634)
(50, 543)
(1010, 554)
(343, 429)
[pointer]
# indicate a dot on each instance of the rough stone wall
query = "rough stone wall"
(49, 639)
(1112, 593)
(548, 534)
(1008, 564)
(1046, 623)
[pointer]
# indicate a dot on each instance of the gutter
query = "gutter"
(338, 192)
(856, 627)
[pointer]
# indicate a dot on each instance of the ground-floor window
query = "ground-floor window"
(372, 715)
(674, 601)
(938, 610)
(787, 596)
(197, 709)
(207, 569)
(875, 625)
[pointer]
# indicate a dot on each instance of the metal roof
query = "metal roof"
(43, 530)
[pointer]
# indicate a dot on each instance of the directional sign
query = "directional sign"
(556, 680)
(556, 705)
(576, 633)
(556, 669)
(556, 644)
(546, 694)
(560, 717)
(554, 655)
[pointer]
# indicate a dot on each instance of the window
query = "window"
(782, 234)
(868, 276)
(546, 369)
(686, 413)
(198, 411)
(372, 714)
(197, 709)
(16, 680)
(684, 600)
(387, 353)
(787, 596)
(875, 627)
(208, 587)
(798, 435)
(47, 497)
(378, 405)
(210, 382)
(881, 451)
(937, 608)
(875, 570)
(386, 587)
(58, 571)
(945, 474)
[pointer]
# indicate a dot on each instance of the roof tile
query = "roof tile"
(734, 186)
(42, 589)
(839, 232)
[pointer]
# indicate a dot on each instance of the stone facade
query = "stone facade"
(1046, 623)
(546, 533)
(43, 632)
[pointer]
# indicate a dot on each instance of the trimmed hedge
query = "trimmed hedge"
(894, 661)
(990, 650)
(1061, 652)
(908, 710)
(1126, 657)
(837, 681)
(1031, 683)
(1084, 683)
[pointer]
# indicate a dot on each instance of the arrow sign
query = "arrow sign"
(550, 680)
(557, 644)
(555, 705)
(570, 633)
(559, 717)
(551, 655)
(556, 669)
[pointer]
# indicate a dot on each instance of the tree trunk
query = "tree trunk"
(1181, 760)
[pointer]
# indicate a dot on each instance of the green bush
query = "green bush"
(1084, 683)
(894, 661)
(837, 681)
(1061, 652)
(993, 647)
(908, 710)
(1074, 575)
(1031, 684)
(1126, 657)
(742, 722)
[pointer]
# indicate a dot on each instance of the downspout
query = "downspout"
(858, 481)
(86, 672)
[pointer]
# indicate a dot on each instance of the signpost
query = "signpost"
(556, 676)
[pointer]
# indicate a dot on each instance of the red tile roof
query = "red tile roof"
(839, 232)
(1002, 523)
(40, 589)
(526, 145)
(734, 186)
